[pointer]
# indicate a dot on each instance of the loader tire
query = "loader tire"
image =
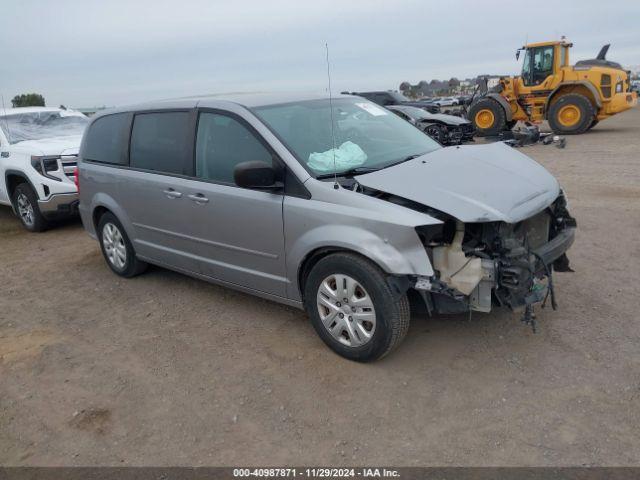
(571, 114)
(488, 117)
(593, 124)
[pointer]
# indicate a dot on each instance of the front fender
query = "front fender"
(504, 103)
(399, 253)
(589, 86)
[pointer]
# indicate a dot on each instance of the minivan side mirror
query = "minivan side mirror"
(255, 174)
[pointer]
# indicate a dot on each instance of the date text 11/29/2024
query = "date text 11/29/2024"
(319, 472)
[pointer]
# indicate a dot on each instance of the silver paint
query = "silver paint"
(257, 241)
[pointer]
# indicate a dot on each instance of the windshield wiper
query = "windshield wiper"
(346, 173)
(359, 170)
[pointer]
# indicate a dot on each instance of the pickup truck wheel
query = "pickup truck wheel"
(353, 309)
(117, 249)
(571, 114)
(25, 202)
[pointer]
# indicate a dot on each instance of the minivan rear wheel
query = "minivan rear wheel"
(117, 249)
(353, 309)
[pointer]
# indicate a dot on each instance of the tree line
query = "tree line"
(28, 100)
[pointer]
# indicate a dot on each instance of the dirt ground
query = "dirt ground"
(167, 370)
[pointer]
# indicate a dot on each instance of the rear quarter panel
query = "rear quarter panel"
(99, 187)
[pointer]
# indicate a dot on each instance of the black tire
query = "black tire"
(499, 123)
(131, 265)
(581, 103)
(593, 124)
(436, 132)
(33, 221)
(391, 310)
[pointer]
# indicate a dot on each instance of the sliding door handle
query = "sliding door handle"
(198, 198)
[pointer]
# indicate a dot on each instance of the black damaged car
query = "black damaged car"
(445, 129)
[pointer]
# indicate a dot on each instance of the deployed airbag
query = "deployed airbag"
(348, 155)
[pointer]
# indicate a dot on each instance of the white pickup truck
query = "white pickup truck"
(38, 157)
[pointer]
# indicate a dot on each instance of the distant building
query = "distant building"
(437, 88)
(492, 80)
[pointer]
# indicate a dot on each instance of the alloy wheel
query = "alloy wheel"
(25, 209)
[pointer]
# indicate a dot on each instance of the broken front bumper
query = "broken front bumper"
(557, 246)
(456, 135)
(514, 280)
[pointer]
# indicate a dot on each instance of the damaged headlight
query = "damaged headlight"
(563, 194)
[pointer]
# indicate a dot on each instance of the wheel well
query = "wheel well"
(504, 104)
(577, 88)
(13, 180)
(97, 215)
(488, 100)
(318, 254)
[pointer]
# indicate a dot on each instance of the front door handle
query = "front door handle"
(171, 193)
(198, 198)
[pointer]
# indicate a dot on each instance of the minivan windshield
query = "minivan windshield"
(19, 127)
(364, 137)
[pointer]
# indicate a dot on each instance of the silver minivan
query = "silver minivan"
(334, 205)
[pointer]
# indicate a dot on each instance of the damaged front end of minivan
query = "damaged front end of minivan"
(502, 226)
(480, 265)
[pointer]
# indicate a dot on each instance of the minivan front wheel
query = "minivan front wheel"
(353, 308)
(117, 249)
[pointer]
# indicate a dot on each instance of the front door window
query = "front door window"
(222, 143)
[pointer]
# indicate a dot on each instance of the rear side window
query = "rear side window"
(222, 143)
(105, 139)
(160, 142)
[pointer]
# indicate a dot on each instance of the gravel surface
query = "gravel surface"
(167, 370)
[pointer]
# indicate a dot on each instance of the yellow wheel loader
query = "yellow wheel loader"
(572, 98)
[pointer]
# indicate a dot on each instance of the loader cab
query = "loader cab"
(542, 61)
(538, 65)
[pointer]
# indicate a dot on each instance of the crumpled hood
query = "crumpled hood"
(481, 183)
(448, 119)
(68, 145)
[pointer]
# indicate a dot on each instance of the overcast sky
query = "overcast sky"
(86, 53)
